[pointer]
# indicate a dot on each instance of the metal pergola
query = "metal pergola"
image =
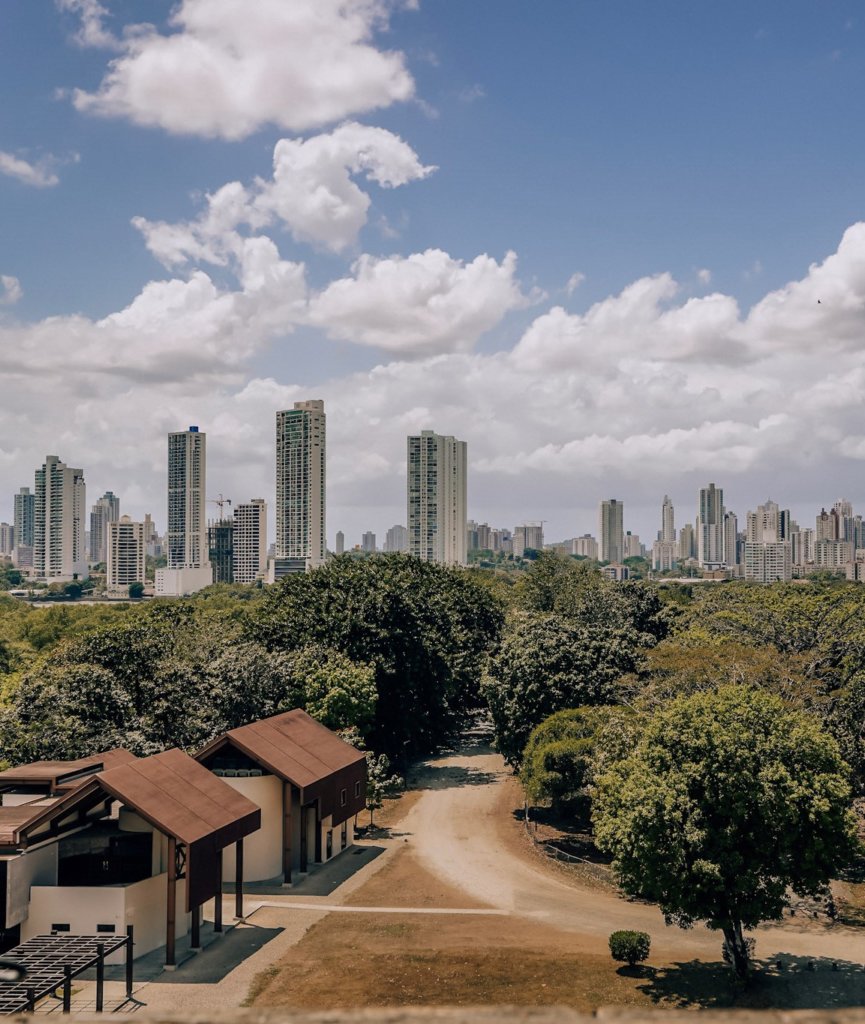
(52, 961)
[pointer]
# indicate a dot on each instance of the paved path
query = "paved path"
(456, 828)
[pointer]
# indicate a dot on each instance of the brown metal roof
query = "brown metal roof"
(181, 798)
(54, 775)
(292, 746)
(14, 820)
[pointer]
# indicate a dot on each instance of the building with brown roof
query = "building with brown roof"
(309, 784)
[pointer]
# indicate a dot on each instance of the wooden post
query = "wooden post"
(31, 1000)
(304, 839)
(217, 900)
(171, 902)
(286, 833)
(100, 975)
(238, 879)
(317, 806)
(195, 942)
(129, 948)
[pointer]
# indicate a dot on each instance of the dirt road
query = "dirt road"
(462, 831)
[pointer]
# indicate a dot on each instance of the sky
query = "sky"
(618, 248)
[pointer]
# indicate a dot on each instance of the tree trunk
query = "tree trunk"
(738, 949)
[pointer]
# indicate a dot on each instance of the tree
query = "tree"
(629, 947)
(729, 801)
(379, 781)
(546, 664)
(136, 590)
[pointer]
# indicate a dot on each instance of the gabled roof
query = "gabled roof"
(55, 775)
(292, 746)
(14, 821)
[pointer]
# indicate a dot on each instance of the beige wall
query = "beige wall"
(262, 851)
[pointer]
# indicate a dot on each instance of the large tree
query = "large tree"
(546, 664)
(729, 801)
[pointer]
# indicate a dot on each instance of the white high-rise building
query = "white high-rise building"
(301, 459)
(668, 520)
(437, 500)
(764, 524)
(768, 561)
(732, 551)
(105, 511)
(665, 554)
(58, 522)
(687, 543)
(340, 542)
(7, 539)
(710, 527)
(585, 546)
(189, 567)
(25, 506)
(367, 543)
(396, 539)
(250, 541)
(125, 554)
(610, 531)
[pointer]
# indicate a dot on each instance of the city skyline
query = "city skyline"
(487, 259)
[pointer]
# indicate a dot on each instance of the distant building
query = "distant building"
(687, 543)
(124, 555)
(528, 537)
(189, 566)
(7, 539)
(633, 546)
(585, 546)
(668, 520)
(664, 555)
(105, 511)
(617, 572)
(833, 554)
(710, 528)
(250, 541)
(367, 543)
(396, 540)
(611, 534)
(220, 549)
(58, 523)
(340, 542)
(437, 497)
(732, 548)
(768, 561)
(301, 479)
(25, 510)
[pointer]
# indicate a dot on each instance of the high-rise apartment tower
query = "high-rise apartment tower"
(437, 502)
(301, 459)
(611, 534)
(189, 566)
(58, 522)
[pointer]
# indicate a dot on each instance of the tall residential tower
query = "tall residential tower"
(301, 476)
(437, 501)
(189, 566)
(611, 532)
(58, 522)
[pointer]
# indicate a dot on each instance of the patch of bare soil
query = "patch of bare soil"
(404, 883)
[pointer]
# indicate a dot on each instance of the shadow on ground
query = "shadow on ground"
(453, 777)
(785, 982)
(322, 880)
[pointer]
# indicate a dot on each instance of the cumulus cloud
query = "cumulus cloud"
(91, 29)
(226, 69)
(38, 174)
(312, 194)
(424, 303)
(10, 290)
(636, 392)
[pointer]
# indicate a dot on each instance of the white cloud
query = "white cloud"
(10, 290)
(226, 69)
(704, 276)
(312, 194)
(38, 174)
(574, 282)
(91, 30)
(427, 302)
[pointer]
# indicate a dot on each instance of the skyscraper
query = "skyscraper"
(58, 522)
(220, 549)
(189, 567)
(396, 539)
(105, 511)
(611, 534)
(124, 554)
(710, 527)
(437, 504)
(250, 541)
(340, 542)
(7, 538)
(367, 543)
(25, 509)
(668, 520)
(301, 459)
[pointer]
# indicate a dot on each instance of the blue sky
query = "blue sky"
(675, 180)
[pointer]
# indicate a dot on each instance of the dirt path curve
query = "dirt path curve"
(460, 831)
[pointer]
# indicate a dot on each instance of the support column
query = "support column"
(100, 976)
(238, 880)
(195, 941)
(286, 833)
(171, 903)
(130, 945)
(217, 901)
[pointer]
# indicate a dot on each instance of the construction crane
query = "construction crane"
(221, 502)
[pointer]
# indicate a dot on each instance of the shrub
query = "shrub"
(630, 947)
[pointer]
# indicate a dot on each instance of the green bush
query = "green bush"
(630, 947)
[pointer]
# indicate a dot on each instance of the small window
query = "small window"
(357, 789)
(59, 928)
(106, 928)
(343, 798)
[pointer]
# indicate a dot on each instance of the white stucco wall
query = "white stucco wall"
(35, 867)
(83, 907)
(262, 850)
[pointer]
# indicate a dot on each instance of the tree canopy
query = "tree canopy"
(729, 800)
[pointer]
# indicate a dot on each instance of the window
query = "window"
(344, 836)
(106, 928)
(343, 799)
(357, 789)
(59, 928)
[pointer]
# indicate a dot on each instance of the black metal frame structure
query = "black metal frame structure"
(52, 961)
